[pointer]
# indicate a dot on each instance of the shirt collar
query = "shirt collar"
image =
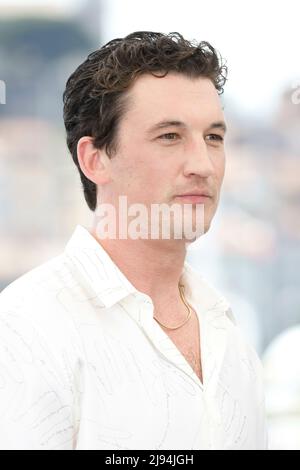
(99, 273)
(95, 268)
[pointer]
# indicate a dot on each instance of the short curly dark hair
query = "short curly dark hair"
(95, 94)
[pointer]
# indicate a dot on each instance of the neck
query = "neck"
(153, 267)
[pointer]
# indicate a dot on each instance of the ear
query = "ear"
(94, 163)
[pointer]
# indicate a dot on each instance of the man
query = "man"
(118, 343)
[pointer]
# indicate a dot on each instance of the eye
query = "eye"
(169, 136)
(216, 138)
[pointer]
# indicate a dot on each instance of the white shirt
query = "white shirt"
(83, 364)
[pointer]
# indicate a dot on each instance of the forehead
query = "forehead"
(175, 95)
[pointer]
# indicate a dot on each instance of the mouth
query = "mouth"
(193, 198)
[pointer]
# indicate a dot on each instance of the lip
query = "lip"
(194, 198)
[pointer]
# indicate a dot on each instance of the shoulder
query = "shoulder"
(32, 289)
(38, 302)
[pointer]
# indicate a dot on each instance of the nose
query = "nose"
(198, 160)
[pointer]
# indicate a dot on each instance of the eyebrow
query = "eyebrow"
(162, 124)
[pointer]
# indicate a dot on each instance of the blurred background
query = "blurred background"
(251, 254)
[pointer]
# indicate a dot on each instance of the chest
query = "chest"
(187, 342)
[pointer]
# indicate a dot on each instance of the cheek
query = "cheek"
(220, 167)
(143, 170)
(149, 170)
(222, 173)
(134, 178)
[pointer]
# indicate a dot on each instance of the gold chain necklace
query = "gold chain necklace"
(181, 289)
